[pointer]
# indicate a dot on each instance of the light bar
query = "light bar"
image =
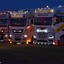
(45, 30)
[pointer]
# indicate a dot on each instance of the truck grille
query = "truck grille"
(41, 35)
(42, 41)
(17, 37)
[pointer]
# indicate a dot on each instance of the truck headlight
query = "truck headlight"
(2, 31)
(20, 31)
(34, 36)
(44, 30)
(6, 35)
(25, 36)
(14, 30)
(38, 30)
(10, 35)
(53, 43)
(51, 37)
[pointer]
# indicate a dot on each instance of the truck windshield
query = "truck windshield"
(3, 22)
(43, 21)
(18, 22)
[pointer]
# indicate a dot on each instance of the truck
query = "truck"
(3, 27)
(17, 25)
(43, 26)
(59, 25)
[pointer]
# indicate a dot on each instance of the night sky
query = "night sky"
(27, 4)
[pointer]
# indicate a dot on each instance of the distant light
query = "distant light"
(47, 6)
(60, 6)
(52, 10)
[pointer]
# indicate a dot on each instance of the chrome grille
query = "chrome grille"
(41, 35)
(17, 37)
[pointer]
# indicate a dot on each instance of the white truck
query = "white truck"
(17, 25)
(3, 27)
(43, 27)
(59, 25)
